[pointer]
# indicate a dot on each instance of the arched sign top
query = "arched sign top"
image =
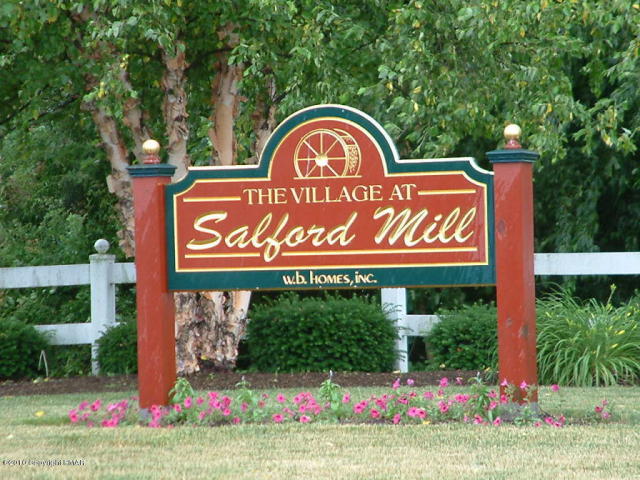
(330, 204)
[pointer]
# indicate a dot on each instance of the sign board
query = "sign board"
(331, 205)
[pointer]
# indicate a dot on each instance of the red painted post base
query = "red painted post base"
(155, 305)
(515, 285)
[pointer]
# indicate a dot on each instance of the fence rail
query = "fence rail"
(102, 274)
(544, 264)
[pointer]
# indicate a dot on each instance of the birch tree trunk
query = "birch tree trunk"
(209, 325)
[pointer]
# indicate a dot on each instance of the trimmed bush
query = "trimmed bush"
(20, 347)
(587, 343)
(118, 349)
(464, 339)
(293, 334)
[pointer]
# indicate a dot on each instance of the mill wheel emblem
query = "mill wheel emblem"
(325, 153)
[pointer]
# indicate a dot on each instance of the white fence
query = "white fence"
(627, 263)
(102, 273)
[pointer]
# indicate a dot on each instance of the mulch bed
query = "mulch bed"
(216, 380)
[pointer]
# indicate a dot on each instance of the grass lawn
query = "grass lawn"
(37, 428)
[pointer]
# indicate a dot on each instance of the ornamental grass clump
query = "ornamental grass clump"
(587, 344)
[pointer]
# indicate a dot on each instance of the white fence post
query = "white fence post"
(103, 296)
(396, 300)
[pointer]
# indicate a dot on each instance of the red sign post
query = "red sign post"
(515, 286)
(154, 302)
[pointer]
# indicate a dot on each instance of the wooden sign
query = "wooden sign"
(331, 205)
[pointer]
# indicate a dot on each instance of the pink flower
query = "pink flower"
(598, 409)
(188, 402)
(83, 405)
(396, 418)
(226, 412)
(421, 413)
(444, 382)
(440, 392)
(199, 401)
(73, 416)
(177, 408)
(458, 380)
(410, 382)
(555, 388)
(549, 420)
(443, 406)
(280, 398)
(461, 398)
(236, 420)
(244, 407)
(358, 408)
(497, 422)
(492, 394)
(95, 406)
(305, 419)
(346, 398)
(605, 415)
(492, 405)
(524, 385)
(277, 417)
(302, 408)
(428, 395)
(374, 413)
(412, 412)
(396, 384)
(537, 424)
(504, 383)
(504, 399)
(212, 395)
(478, 420)
(202, 415)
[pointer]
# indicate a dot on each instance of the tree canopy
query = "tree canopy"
(210, 80)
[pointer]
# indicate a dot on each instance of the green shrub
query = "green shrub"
(587, 343)
(20, 348)
(118, 349)
(292, 334)
(464, 339)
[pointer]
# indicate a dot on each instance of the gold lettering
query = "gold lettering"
(198, 225)
(464, 223)
(448, 223)
(403, 223)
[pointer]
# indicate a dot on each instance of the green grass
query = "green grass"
(582, 450)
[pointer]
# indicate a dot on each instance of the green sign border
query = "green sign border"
(463, 275)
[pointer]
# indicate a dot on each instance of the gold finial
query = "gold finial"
(512, 134)
(151, 148)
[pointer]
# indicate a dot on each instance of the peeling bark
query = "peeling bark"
(134, 118)
(118, 182)
(264, 121)
(174, 109)
(225, 100)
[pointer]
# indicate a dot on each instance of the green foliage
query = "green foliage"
(69, 360)
(118, 349)
(588, 343)
(293, 334)
(21, 346)
(465, 338)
